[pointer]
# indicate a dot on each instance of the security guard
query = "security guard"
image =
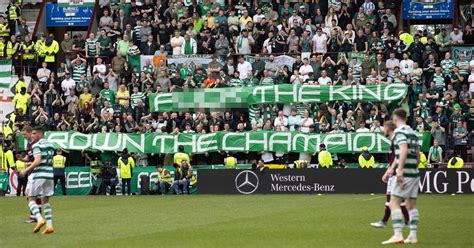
(13, 47)
(423, 159)
(324, 157)
(299, 164)
(59, 162)
(22, 181)
(164, 181)
(126, 164)
(4, 28)
(230, 161)
(51, 49)
(2, 47)
(28, 51)
(366, 160)
(13, 13)
(456, 162)
(180, 156)
(40, 49)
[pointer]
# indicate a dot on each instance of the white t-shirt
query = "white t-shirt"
(176, 43)
(101, 69)
(471, 83)
(362, 130)
(324, 80)
(406, 66)
(391, 63)
(320, 43)
(244, 69)
(304, 127)
(67, 85)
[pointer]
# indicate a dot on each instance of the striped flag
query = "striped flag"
(5, 74)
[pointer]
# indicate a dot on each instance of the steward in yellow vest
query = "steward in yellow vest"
(7, 160)
(299, 164)
(423, 160)
(40, 48)
(126, 164)
(22, 181)
(59, 162)
(2, 47)
(366, 160)
(324, 157)
(230, 161)
(455, 162)
(180, 156)
(13, 47)
(4, 28)
(13, 12)
(164, 181)
(51, 48)
(28, 49)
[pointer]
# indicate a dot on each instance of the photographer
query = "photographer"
(108, 177)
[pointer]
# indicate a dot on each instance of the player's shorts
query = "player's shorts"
(28, 185)
(408, 189)
(41, 187)
(391, 184)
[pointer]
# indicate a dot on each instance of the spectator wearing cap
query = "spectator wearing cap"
(68, 84)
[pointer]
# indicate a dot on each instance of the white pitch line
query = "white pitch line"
(374, 198)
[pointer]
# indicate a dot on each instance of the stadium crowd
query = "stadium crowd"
(95, 83)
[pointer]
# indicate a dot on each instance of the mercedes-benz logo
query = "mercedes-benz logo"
(246, 182)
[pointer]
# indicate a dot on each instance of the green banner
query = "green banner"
(79, 180)
(285, 93)
(3, 181)
(255, 141)
(457, 50)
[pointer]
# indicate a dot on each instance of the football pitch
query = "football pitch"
(233, 221)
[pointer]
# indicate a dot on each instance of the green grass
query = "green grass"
(233, 221)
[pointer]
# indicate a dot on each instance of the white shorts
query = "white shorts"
(28, 185)
(391, 184)
(41, 187)
(408, 189)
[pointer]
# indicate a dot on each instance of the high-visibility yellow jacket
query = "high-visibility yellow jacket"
(51, 51)
(12, 49)
(458, 165)
(366, 163)
(31, 50)
(165, 176)
(40, 48)
(2, 49)
(126, 168)
(179, 157)
(230, 162)
(7, 159)
(423, 161)
(59, 161)
(325, 159)
(4, 27)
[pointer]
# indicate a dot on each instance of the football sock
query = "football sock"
(397, 220)
(405, 214)
(48, 214)
(35, 210)
(413, 224)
